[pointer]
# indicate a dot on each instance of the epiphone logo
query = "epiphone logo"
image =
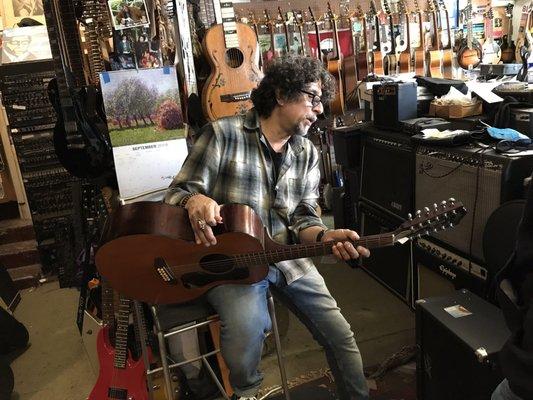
(447, 272)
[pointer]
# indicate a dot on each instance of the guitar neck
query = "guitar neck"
(436, 30)
(294, 252)
(421, 30)
(229, 23)
(121, 335)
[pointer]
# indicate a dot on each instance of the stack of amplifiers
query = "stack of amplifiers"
(387, 171)
(47, 184)
(391, 266)
(482, 180)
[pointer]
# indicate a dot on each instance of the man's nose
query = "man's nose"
(318, 109)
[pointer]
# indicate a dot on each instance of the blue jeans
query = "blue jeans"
(504, 392)
(245, 320)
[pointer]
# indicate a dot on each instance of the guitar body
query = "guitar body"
(469, 58)
(234, 72)
(92, 157)
(447, 59)
(520, 42)
(405, 61)
(434, 63)
(391, 64)
(419, 62)
(491, 52)
(508, 50)
(337, 105)
(350, 79)
(362, 64)
(130, 383)
(143, 236)
(377, 63)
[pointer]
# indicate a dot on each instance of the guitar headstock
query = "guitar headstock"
(373, 9)
(329, 13)
(439, 217)
(509, 10)
(490, 13)
(359, 11)
(417, 7)
(268, 20)
(402, 8)
(442, 5)
(386, 7)
(299, 17)
(313, 19)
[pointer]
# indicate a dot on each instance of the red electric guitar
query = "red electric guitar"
(120, 376)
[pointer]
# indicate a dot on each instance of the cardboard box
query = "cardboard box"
(455, 110)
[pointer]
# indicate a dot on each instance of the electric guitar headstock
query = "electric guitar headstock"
(509, 10)
(430, 220)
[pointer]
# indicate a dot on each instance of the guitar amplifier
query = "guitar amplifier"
(478, 177)
(347, 145)
(393, 103)
(387, 173)
(399, 278)
(458, 337)
(521, 119)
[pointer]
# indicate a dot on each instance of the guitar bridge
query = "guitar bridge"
(164, 270)
(235, 97)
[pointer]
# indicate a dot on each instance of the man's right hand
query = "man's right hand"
(204, 213)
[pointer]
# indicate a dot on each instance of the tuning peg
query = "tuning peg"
(418, 213)
(450, 225)
(451, 200)
(453, 212)
(443, 203)
(418, 236)
(426, 210)
(435, 206)
(410, 217)
(435, 230)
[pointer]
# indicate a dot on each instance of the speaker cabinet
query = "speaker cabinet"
(479, 178)
(458, 338)
(387, 173)
(391, 266)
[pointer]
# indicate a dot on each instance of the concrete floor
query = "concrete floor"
(56, 365)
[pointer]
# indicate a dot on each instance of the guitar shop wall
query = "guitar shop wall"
(57, 144)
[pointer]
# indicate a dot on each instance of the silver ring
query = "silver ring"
(201, 224)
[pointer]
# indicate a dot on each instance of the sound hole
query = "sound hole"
(234, 57)
(217, 264)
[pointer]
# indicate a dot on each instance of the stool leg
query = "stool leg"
(272, 311)
(214, 329)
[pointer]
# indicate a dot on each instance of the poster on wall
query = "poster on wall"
(146, 128)
(13, 11)
(128, 13)
(29, 43)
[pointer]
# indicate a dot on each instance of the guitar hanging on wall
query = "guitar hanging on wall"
(150, 254)
(419, 51)
(508, 47)
(232, 51)
(447, 52)
(491, 50)
(469, 54)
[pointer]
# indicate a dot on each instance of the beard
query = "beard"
(302, 127)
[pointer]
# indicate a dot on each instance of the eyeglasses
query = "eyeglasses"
(315, 98)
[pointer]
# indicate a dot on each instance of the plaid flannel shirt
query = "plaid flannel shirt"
(230, 163)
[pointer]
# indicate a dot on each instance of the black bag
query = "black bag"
(440, 87)
(13, 335)
(7, 381)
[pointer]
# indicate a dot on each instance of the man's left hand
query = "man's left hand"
(344, 248)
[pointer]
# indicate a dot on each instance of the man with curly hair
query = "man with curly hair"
(263, 159)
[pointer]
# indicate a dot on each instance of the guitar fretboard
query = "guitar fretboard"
(231, 39)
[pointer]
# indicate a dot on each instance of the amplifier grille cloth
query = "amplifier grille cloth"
(461, 185)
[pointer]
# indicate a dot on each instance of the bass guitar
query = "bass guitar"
(149, 252)
(232, 51)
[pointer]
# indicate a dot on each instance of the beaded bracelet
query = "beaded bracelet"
(184, 201)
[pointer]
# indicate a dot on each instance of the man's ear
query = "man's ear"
(279, 98)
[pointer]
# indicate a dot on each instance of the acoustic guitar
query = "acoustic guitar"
(391, 61)
(419, 51)
(232, 51)
(405, 35)
(508, 47)
(150, 255)
(362, 48)
(434, 54)
(469, 54)
(376, 54)
(521, 38)
(334, 66)
(447, 52)
(349, 66)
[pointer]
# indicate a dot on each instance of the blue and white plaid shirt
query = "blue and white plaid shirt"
(231, 163)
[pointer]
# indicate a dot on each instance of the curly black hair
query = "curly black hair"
(287, 76)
